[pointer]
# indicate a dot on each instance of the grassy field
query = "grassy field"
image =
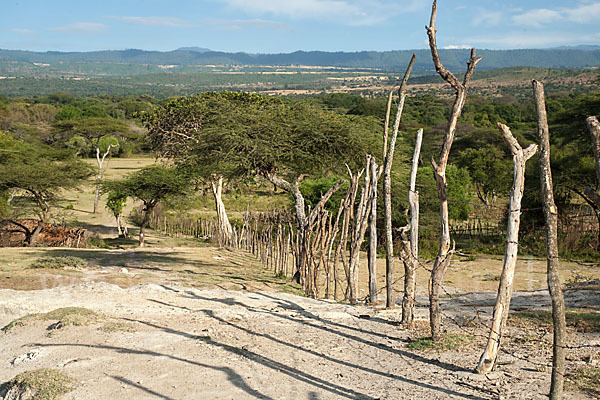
(197, 263)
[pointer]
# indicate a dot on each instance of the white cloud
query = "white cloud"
(22, 31)
(155, 21)
(488, 18)
(584, 14)
(236, 24)
(537, 17)
(80, 27)
(457, 46)
(345, 12)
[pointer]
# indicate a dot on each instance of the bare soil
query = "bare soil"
(240, 336)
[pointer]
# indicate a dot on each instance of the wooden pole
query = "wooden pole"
(387, 186)
(551, 216)
(500, 315)
(410, 265)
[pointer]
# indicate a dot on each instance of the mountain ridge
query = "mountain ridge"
(393, 60)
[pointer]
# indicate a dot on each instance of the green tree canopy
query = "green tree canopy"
(41, 172)
(150, 185)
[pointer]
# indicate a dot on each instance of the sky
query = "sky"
(283, 26)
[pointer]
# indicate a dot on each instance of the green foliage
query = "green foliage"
(66, 262)
(459, 191)
(489, 170)
(68, 112)
(150, 185)
(314, 189)
(241, 134)
(93, 128)
(40, 171)
(116, 201)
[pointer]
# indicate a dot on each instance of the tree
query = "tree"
(42, 173)
(500, 314)
(150, 185)
(115, 202)
(442, 261)
(551, 217)
(488, 169)
(231, 135)
(178, 131)
(388, 154)
(99, 132)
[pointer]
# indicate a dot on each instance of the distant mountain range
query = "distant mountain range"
(563, 57)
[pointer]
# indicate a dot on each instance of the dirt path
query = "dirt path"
(172, 342)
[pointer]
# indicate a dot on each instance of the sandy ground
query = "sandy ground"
(182, 343)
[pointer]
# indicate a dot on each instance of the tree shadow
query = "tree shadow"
(232, 376)
(405, 354)
(140, 387)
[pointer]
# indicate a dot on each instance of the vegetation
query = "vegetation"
(66, 262)
(41, 384)
(75, 316)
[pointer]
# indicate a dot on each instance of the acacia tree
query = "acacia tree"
(41, 172)
(237, 135)
(115, 202)
(444, 256)
(100, 134)
(181, 130)
(150, 185)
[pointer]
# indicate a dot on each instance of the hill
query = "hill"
(454, 59)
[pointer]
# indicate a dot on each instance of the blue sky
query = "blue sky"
(276, 26)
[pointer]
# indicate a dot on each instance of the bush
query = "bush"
(66, 262)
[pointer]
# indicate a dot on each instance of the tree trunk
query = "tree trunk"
(302, 220)
(444, 255)
(373, 236)
(147, 212)
(551, 216)
(502, 307)
(387, 184)
(99, 174)
(32, 239)
(225, 229)
(594, 128)
(43, 217)
(411, 264)
(119, 230)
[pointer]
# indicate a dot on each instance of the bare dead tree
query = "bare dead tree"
(594, 128)
(505, 288)
(100, 171)
(444, 256)
(225, 229)
(551, 216)
(388, 158)
(358, 228)
(302, 219)
(411, 260)
(375, 174)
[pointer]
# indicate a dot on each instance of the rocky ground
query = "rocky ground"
(168, 341)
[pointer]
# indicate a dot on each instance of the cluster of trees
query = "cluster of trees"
(306, 147)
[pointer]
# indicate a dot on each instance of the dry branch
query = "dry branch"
(444, 256)
(387, 183)
(551, 216)
(500, 314)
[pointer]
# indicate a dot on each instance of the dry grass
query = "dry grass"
(40, 384)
